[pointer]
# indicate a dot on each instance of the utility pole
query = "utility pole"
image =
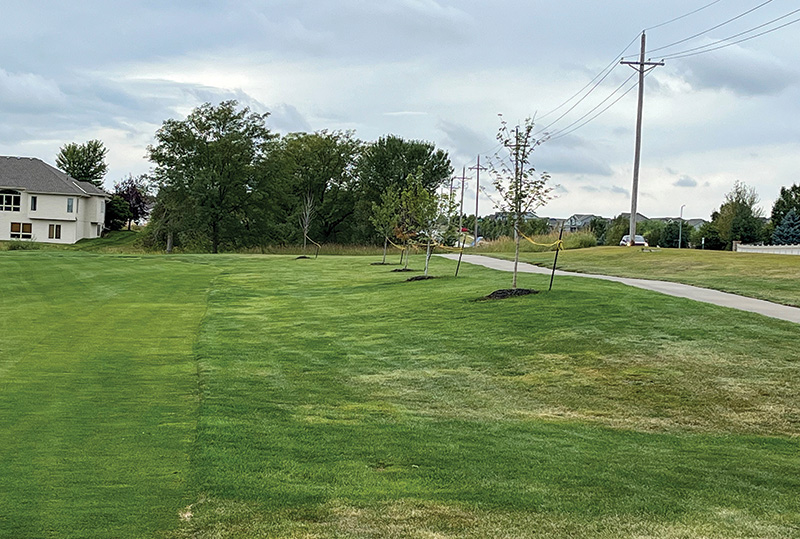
(641, 67)
(461, 207)
(477, 168)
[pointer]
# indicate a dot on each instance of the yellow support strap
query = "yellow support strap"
(558, 244)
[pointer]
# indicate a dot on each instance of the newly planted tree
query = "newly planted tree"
(521, 189)
(384, 216)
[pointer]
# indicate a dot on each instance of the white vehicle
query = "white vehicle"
(639, 240)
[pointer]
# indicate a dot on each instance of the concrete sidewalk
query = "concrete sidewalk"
(773, 310)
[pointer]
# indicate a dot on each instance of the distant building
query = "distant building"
(39, 202)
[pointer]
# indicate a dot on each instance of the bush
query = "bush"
(20, 245)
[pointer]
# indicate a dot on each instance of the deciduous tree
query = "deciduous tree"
(521, 189)
(84, 162)
(210, 161)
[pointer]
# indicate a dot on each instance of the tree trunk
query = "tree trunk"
(427, 258)
(385, 246)
(214, 238)
(169, 242)
(408, 255)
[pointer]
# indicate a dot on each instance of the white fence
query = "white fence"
(770, 249)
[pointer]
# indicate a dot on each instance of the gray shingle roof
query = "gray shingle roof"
(35, 176)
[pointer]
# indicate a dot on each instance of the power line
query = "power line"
(558, 133)
(649, 52)
(564, 132)
(610, 67)
(722, 43)
(682, 16)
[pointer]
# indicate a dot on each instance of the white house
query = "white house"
(40, 203)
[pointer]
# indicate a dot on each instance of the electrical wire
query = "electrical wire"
(720, 25)
(614, 63)
(727, 41)
(564, 132)
(596, 106)
(683, 16)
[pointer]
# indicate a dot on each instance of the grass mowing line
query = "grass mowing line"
(96, 416)
(344, 402)
(768, 277)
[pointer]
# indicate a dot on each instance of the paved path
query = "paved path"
(774, 310)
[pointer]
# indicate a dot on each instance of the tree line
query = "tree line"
(738, 219)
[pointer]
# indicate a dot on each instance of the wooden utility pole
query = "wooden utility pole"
(461, 207)
(641, 67)
(477, 168)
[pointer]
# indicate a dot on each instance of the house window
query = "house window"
(10, 201)
(54, 232)
(21, 231)
(70, 204)
(33, 203)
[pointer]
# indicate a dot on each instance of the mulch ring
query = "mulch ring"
(420, 278)
(398, 270)
(303, 257)
(510, 293)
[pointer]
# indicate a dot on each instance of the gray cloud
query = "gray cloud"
(685, 181)
(742, 71)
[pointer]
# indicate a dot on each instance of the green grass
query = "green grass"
(764, 276)
(329, 398)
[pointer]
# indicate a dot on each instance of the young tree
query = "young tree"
(388, 162)
(307, 211)
(136, 192)
(84, 162)
(788, 232)
(209, 161)
(384, 216)
(521, 190)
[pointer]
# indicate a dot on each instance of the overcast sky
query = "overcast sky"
(437, 70)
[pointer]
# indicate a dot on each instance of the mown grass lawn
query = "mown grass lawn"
(261, 396)
(764, 276)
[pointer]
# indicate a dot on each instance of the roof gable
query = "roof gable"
(36, 176)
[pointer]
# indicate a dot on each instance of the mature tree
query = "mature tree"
(788, 200)
(84, 162)
(521, 189)
(118, 212)
(321, 165)
(388, 162)
(617, 228)
(739, 217)
(707, 236)
(788, 232)
(135, 190)
(598, 226)
(209, 164)
(672, 233)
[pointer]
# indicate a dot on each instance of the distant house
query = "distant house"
(579, 221)
(39, 202)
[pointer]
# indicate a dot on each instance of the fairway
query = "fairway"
(263, 396)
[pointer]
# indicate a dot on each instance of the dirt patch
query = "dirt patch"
(382, 264)
(420, 278)
(400, 270)
(510, 293)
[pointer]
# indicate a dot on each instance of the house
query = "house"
(579, 221)
(39, 202)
